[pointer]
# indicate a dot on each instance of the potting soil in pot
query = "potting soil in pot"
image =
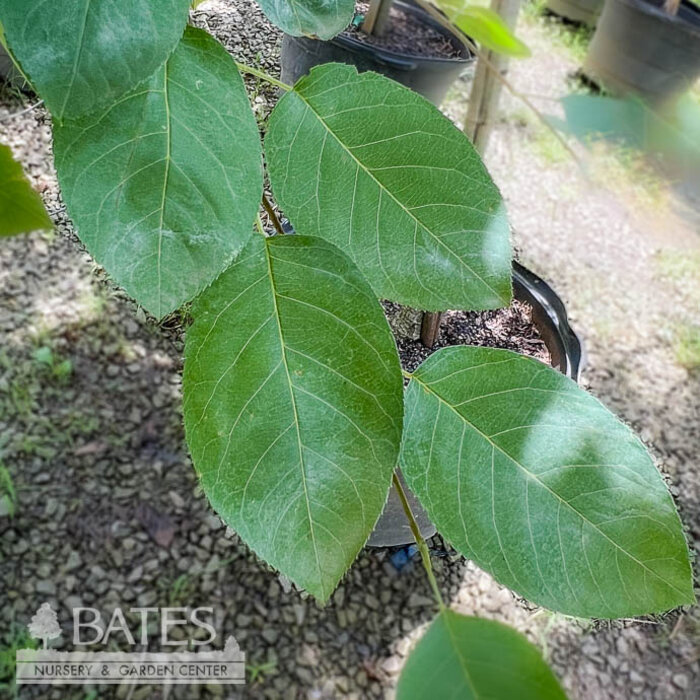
(510, 328)
(406, 34)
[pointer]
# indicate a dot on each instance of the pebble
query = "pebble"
(299, 613)
(147, 598)
(419, 601)
(270, 635)
(680, 680)
(392, 665)
(45, 587)
(74, 561)
(177, 500)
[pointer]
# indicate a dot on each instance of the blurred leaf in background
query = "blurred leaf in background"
(21, 208)
(673, 135)
(484, 26)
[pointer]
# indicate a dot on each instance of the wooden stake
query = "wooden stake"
(483, 110)
(486, 90)
(376, 20)
(430, 327)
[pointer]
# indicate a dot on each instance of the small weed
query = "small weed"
(180, 590)
(17, 638)
(20, 398)
(60, 369)
(92, 304)
(256, 671)
(82, 424)
(8, 495)
(33, 445)
(10, 92)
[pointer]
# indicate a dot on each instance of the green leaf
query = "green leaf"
(293, 405)
(21, 208)
(469, 658)
(323, 18)
(83, 54)
(484, 26)
(377, 170)
(164, 185)
(539, 484)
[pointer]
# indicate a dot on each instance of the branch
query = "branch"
(271, 213)
(244, 68)
(422, 545)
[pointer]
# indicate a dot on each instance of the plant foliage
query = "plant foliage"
(21, 209)
(164, 184)
(294, 399)
(542, 486)
(379, 172)
(322, 18)
(465, 657)
(81, 54)
(484, 26)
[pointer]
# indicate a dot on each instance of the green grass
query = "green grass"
(542, 140)
(681, 269)
(180, 590)
(549, 148)
(628, 172)
(15, 639)
(687, 346)
(257, 671)
(680, 266)
(8, 495)
(46, 359)
(574, 38)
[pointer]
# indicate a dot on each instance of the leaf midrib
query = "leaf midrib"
(462, 660)
(268, 259)
(166, 175)
(400, 204)
(544, 486)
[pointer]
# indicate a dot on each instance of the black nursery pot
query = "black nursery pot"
(431, 77)
(639, 48)
(582, 11)
(567, 356)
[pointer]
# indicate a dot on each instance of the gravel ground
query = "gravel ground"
(109, 512)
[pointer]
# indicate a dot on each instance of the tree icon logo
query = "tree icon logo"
(44, 624)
